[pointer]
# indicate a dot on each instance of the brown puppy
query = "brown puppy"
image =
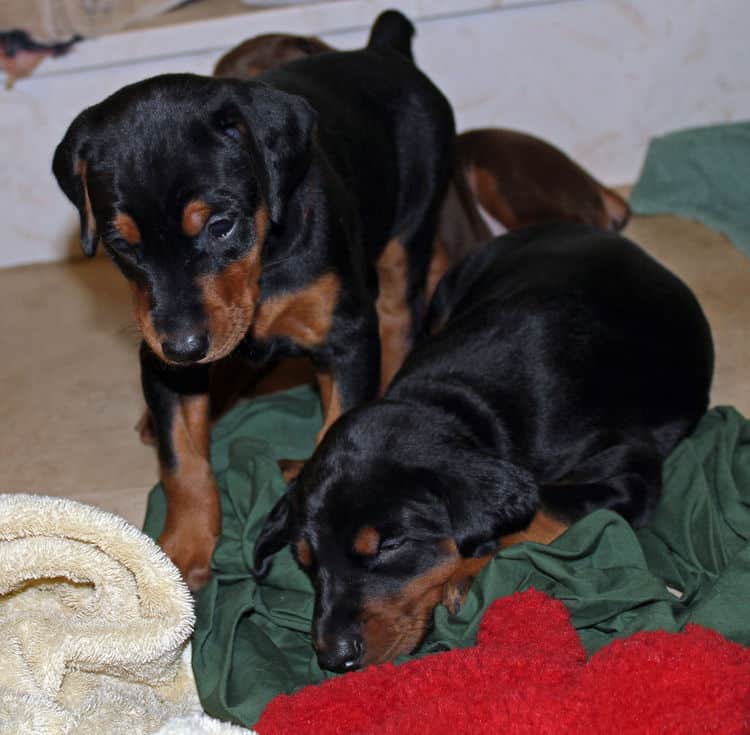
(515, 180)
(521, 180)
(260, 53)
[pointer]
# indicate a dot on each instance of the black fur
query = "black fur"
(346, 150)
(565, 366)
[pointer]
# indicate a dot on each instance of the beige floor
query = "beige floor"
(70, 392)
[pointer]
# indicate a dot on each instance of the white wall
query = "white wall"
(596, 77)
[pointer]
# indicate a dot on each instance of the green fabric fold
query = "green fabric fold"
(702, 174)
(252, 639)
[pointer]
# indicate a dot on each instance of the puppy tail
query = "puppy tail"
(394, 30)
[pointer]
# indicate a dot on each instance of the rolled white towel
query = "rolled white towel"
(94, 623)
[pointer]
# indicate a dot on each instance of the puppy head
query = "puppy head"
(388, 527)
(182, 177)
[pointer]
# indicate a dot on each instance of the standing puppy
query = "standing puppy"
(290, 215)
(503, 179)
(565, 366)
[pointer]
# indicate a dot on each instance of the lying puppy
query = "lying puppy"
(261, 53)
(516, 179)
(293, 215)
(565, 365)
(519, 180)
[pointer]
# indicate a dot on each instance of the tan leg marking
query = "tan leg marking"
(331, 400)
(304, 554)
(394, 315)
(193, 519)
(440, 263)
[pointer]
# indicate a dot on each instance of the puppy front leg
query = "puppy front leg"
(348, 370)
(179, 403)
(348, 374)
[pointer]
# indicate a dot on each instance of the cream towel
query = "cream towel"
(94, 624)
(58, 21)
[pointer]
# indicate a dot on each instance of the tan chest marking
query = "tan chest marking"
(304, 316)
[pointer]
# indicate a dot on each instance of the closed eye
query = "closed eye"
(124, 249)
(391, 544)
(221, 228)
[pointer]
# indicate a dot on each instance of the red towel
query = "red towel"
(530, 674)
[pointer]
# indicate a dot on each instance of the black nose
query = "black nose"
(185, 347)
(342, 654)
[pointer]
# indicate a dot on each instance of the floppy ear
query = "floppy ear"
(276, 533)
(488, 499)
(70, 170)
(279, 129)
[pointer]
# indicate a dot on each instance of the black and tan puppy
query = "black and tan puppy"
(503, 179)
(292, 215)
(564, 366)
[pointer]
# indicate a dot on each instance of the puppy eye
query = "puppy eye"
(391, 544)
(221, 229)
(125, 250)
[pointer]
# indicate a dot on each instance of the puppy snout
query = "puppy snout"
(185, 347)
(341, 653)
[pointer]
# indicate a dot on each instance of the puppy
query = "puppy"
(261, 53)
(516, 180)
(503, 179)
(565, 365)
(520, 180)
(291, 215)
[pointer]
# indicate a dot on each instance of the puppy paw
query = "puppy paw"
(146, 430)
(190, 552)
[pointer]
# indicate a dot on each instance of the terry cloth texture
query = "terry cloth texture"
(528, 674)
(252, 640)
(94, 623)
(702, 174)
(200, 723)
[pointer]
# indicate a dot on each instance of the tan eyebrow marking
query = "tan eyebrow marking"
(367, 541)
(127, 228)
(194, 217)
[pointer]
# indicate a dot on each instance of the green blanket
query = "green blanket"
(703, 174)
(252, 640)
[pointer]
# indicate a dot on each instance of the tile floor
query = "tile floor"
(69, 377)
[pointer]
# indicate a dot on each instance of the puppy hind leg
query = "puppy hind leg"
(348, 369)
(395, 324)
(624, 477)
(409, 270)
